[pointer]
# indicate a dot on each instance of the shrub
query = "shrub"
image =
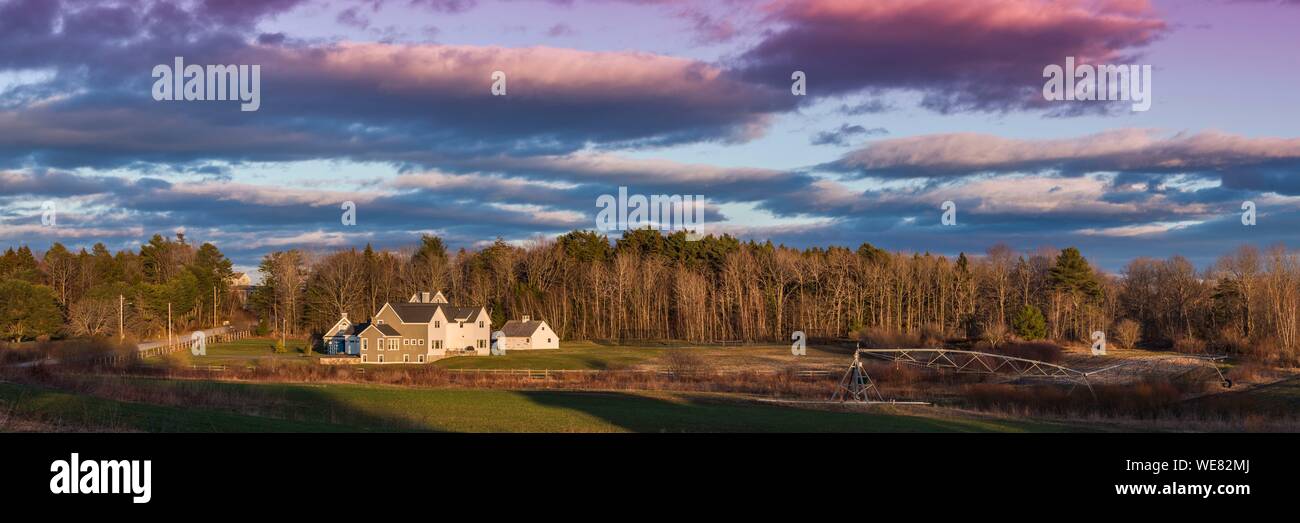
(16, 353)
(882, 338)
(1140, 399)
(1189, 345)
(994, 334)
(280, 348)
(683, 362)
(1033, 350)
(1246, 372)
(90, 351)
(1231, 341)
(933, 335)
(177, 360)
(1270, 351)
(1126, 332)
(1029, 323)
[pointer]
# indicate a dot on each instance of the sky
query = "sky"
(907, 104)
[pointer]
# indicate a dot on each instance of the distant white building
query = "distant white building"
(526, 334)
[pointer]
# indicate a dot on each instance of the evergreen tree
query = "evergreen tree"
(104, 266)
(28, 311)
(585, 246)
(1073, 275)
(1029, 323)
(20, 264)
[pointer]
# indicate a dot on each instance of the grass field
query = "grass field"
(579, 357)
(574, 355)
(585, 355)
(243, 407)
(247, 351)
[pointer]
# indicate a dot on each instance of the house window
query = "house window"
(462, 324)
(482, 343)
(420, 358)
(363, 358)
(548, 340)
(406, 358)
(421, 342)
(363, 343)
(437, 324)
(480, 324)
(392, 344)
(437, 344)
(381, 358)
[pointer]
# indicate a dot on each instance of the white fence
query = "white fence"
(158, 348)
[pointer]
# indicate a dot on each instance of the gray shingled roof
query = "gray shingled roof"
(520, 329)
(464, 313)
(359, 328)
(387, 329)
(415, 312)
(423, 312)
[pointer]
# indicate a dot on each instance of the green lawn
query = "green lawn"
(65, 411)
(584, 355)
(334, 407)
(574, 355)
(247, 351)
(578, 357)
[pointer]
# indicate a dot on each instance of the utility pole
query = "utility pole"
(121, 333)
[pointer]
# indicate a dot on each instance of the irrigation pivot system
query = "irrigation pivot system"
(856, 385)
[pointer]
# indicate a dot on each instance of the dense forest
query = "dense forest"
(648, 285)
(81, 294)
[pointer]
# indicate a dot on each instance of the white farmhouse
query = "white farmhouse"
(423, 329)
(527, 334)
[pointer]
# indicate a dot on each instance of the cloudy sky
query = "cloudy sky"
(910, 103)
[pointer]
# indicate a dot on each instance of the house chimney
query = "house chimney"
(424, 295)
(345, 316)
(527, 318)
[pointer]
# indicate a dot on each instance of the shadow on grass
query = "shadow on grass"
(697, 413)
(192, 406)
(161, 405)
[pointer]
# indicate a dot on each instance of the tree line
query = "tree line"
(648, 285)
(92, 293)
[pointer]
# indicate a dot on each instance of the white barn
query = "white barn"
(526, 334)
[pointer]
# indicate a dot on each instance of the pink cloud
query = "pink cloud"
(465, 72)
(1147, 150)
(986, 55)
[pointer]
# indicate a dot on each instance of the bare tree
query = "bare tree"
(93, 316)
(1126, 332)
